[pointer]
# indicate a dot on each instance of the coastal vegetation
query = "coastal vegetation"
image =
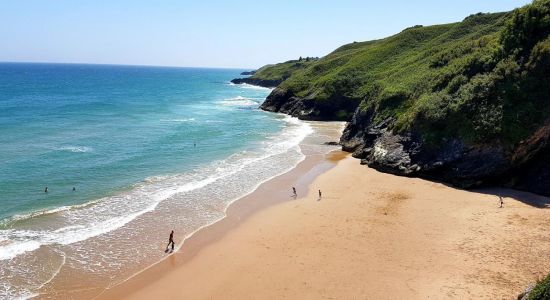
(482, 78)
(465, 102)
(541, 291)
(273, 75)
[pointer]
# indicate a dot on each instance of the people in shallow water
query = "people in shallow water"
(46, 190)
(74, 189)
(170, 241)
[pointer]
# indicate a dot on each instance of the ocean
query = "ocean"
(127, 153)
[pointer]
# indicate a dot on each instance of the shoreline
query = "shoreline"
(188, 242)
(301, 176)
(106, 228)
(445, 243)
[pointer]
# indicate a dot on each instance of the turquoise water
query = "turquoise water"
(101, 128)
(147, 149)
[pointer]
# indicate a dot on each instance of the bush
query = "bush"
(542, 290)
(528, 25)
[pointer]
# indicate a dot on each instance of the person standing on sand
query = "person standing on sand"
(294, 191)
(319, 194)
(170, 241)
(501, 202)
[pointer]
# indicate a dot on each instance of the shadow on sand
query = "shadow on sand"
(525, 197)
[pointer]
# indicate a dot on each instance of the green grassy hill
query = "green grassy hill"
(425, 76)
(399, 76)
(481, 85)
(273, 75)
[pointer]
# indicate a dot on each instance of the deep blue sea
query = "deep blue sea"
(138, 145)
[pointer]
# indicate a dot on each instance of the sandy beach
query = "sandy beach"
(371, 236)
(289, 150)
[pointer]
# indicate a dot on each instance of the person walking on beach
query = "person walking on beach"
(170, 241)
(501, 202)
(319, 194)
(294, 191)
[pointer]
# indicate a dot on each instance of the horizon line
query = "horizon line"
(122, 65)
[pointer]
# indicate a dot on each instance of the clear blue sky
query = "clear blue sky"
(209, 33)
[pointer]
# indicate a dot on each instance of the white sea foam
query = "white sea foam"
(21, 241)
(288, 139)
(183, 120)
(237, 98)
(240, 101)
(43, 212)
(54, 274)
(12, 250)
(250, 86)
(75, 149)
(18, 295)
(104, 215)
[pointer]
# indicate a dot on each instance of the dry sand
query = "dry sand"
(371, 236)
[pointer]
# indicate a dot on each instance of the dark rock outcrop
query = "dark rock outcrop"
(335, 109)
(525, 294)
(531, 161)
(523, 166)
(256, 81)
(246, 73)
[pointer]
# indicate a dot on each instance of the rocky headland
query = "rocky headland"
(271, 76)
(465, 103)
(268, 83)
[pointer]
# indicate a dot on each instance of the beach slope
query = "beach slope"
(371, 236)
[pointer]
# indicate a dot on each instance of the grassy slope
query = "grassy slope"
(466, 78)
(280, 71)
(398, 74)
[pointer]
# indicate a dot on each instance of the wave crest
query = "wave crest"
(75, 149)
(240, 101)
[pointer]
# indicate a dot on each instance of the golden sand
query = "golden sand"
(371, 236)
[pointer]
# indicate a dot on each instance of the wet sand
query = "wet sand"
(372, 235)
(277, 190)
(84, 284)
